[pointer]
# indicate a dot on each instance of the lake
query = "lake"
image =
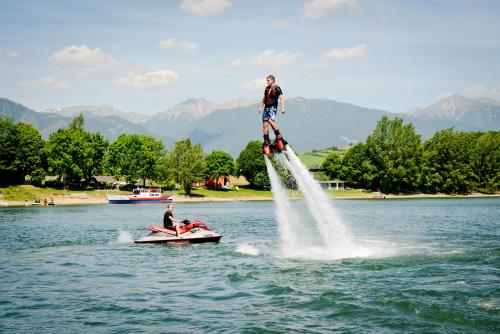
(433, 267)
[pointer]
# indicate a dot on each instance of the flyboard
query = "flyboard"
(278, 145)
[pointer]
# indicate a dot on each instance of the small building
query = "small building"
(106, 182)
(332, 185)
(220, 183)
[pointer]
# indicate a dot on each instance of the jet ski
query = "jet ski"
(194, 233)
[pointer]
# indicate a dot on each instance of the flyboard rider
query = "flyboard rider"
(268, 107)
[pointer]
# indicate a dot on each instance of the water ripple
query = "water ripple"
(434, 270)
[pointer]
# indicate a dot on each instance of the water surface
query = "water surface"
(433, 267)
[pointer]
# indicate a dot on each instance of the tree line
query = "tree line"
(74, 156)
(394, 159)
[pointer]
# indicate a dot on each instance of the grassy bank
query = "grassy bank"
(21, 193)
(26, 194)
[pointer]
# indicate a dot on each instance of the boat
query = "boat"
(141, 195)
(194, 233)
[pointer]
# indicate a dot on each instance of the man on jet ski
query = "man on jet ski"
(269, 106)
(170, 222)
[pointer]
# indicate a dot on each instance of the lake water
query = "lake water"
(432, 266)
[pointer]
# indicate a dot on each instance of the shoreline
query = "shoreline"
(84, 199)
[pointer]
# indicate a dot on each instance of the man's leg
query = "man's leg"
(275, 128)
(265, 129)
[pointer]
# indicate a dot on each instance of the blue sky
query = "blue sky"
(146, 56)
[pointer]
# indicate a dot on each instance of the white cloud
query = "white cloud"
(346, 53)
(323, 9)
(46, 83)
(82, 60)
(476, 90)
(133, 79)
(281, 24)
(255, 85)
(274, 59)
(481, 90)
(336, 54)
(184, 46)
(205, 7)
(269, 59)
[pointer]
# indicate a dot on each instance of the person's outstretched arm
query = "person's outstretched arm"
(282, 100)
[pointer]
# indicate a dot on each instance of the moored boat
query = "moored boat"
(139, 196)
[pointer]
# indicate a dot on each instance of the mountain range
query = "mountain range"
(307, 124)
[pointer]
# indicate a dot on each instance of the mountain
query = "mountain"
(110, 126)
(312, 123)
(482, 112)
(194, 109)
(99, 111)
(488, 100)
(308, 123)
(176, 121)
(45, 123)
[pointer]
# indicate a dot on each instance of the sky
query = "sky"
(147, 56)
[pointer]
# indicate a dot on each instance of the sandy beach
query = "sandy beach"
(100, 198)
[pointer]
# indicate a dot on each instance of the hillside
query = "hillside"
(110, 126)
(481, 112)
(308, 123)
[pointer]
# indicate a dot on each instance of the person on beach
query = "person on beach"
(170, 222)
(269, 106)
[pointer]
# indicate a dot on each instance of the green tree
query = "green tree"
(486, 162)
(136, 157)
(261, 181)
(31, 155)
(22, 153)
(332, 165)
(219, 163)
(164, 170)
(96, 147)
(74, 154)
(251, 162)
(449, 162)
(8, 151)
(188, 164)
(396, 152)
(357, 168)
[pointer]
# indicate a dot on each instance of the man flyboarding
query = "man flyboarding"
(269, 106)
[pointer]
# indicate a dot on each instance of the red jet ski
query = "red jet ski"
(194, 233)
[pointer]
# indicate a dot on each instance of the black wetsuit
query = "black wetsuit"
(167, 220)
(271, 98)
